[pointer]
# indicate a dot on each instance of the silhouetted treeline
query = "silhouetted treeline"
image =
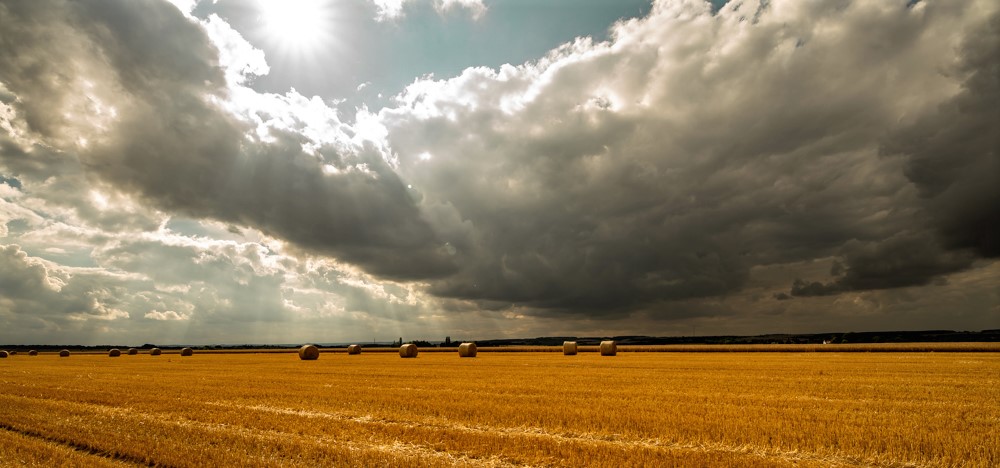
(926, 336)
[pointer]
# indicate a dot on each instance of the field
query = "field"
(503, 409)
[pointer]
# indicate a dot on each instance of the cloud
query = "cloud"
(50, 295)
(953, 154)
(953, 160)
(165, 315)
(688, 169)
(664, 164)
(165, 286)
(901, 261)
(107, 141)
(237, 56)
(172, 143)
(476, 8)
(392, 9)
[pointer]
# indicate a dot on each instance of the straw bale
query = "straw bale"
(467, 350)
(308, 352)
(408, 350)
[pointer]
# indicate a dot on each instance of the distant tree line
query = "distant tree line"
(925, 336)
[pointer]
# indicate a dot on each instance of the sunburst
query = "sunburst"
(297, 26)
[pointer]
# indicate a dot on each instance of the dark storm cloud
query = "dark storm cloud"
(663, 166)
(953, 158)
(954, 154)
(147, 87)
(900, 261)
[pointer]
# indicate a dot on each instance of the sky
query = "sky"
(209, 172)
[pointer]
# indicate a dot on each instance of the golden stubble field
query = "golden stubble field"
(502, 409)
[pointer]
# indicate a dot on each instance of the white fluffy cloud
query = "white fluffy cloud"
(392, 9)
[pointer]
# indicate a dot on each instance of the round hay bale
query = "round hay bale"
(187, 352)
(4, 354)
(467, 350)
(354, 349)
(608, 348)
(13, 353)
(408, 350)
(308, 352)
(114, 352)
(155, 352)
(32, 353)
(569, 348)
(64, 353)
(133, 351)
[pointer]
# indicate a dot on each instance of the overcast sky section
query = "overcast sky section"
(761, 167)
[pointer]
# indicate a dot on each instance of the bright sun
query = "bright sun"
(296, 25)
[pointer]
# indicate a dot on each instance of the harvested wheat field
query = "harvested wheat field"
(504, 409)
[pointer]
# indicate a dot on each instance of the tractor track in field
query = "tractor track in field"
(426, 451)
(598, 439)
(84, 449)
(395, 448)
